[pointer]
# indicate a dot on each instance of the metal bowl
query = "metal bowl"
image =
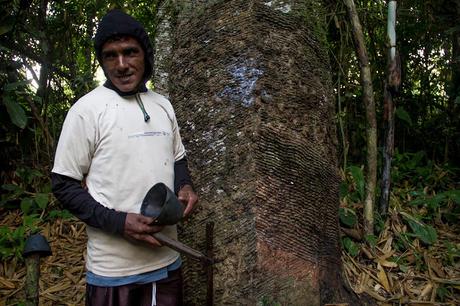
(161, 203)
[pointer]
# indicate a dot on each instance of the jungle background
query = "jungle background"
(412, 257)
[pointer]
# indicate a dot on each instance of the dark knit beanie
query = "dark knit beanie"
(118, 23)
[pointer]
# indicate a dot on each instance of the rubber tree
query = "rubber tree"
(251, 85)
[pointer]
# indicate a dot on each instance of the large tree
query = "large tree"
(251, 84)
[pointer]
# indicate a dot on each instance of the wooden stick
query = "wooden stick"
(32, 277)
(209, 268)
(182, 248)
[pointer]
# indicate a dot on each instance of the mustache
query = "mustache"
(123, 74)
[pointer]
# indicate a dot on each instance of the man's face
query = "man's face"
(123, 62)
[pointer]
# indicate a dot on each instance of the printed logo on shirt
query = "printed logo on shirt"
(149, 134)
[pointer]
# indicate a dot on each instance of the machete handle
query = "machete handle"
(182, 248)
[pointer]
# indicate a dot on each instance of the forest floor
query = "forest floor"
(412, 274)
(420, 275)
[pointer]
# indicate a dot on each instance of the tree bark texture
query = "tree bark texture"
(391, 87)
(251, 85)
(371, 129)
(388, 150)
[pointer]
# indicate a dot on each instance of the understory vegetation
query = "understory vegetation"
(414, 254)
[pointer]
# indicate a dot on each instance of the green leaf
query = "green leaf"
(371, 239)
(442, 293)
(42, 200)
(403, 115)
(454, 195)
(358, 178)
(46, 188)
(347, 217)
(403, 268)
(13, 86)
(343, 190)
(424, 232)
(30, 220)
(11, 187)
(5, 28)
(26, 205)
(63, 214)
(19, 233)
(350, 246)
(16, 112)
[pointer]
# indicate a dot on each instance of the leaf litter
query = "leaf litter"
(415, 274)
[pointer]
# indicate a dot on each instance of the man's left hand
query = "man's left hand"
(189, 198)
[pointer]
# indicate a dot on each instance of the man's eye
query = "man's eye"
(108, 56)
(131, 52)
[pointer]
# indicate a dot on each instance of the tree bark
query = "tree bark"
(388, 149)
(371, 129)
(251, 85)
(391, 87)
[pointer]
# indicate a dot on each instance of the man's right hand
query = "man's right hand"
(138, 227)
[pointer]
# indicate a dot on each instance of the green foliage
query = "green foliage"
(420, 230)
(417, 170)
(371, 240)
(430, 189)
(445, 205)
(12, 239)
(267, 301)
(441, 293)
(350, 246)
(353, 187)
(403, 115)
(16, 112)
(59, 214)
(347, 217)
(31, 195)
(427, 115)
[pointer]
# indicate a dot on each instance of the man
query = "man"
(121, 139)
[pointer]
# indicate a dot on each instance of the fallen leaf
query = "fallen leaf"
(383, 278)
(6, 284)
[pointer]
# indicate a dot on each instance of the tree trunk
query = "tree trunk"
(251, 85)
(371, 128)
(391, 87)
(162, 47)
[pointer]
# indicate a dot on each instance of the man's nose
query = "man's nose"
(122, 62)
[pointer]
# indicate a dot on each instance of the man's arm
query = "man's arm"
(181, 175)
(183, 186)
(81, 204)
